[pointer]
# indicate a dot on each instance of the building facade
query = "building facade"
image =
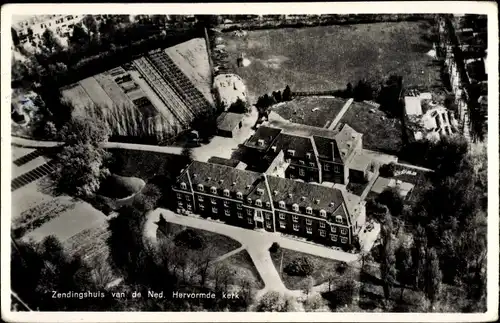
(257, 201)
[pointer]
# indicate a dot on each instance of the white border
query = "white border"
(489, 8)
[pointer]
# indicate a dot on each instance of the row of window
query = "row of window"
(295, 218)
(343, 231)
(322, 233)
(326, 167)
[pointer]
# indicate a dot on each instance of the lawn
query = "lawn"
(91, 243)
(323, 267)
(328, 57)
(300, 110)
(379, 132)
(115, 186)
(243, 265)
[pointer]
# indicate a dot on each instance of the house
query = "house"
(229, 123)
(310, 153)
(255, 200)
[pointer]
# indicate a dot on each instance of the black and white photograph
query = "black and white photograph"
(252, 159)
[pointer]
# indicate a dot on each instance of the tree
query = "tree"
(50, 130)
(30, 33)
(90, 23)
(433, 277)
(275, 302)
(388, 267)
(187, 154)
(147, 199)
(349, 92)
(15, 37)
(239, 106)
(84, 130)
(388, 170)
(277, 96)
(50, 41)
(391, 198)
(404, 266)
(287, 94)
(79, 37)
(307, 285)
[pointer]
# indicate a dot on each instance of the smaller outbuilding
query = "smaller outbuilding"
(229, 123)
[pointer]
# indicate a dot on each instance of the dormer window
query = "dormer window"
(332, 204)
(239, 195)
(213, 190)
(258, 202)
(183, 186)
(322, 213)
(268, 204)
(301, 162)
(226, 193)
(295, 207)
(281, 204)
(260, 191)
(338, 219)
(249, 200)
(309, 210)
(274, 148)
(260, 142)
(291, 152)
(308, 155)
(200, 187)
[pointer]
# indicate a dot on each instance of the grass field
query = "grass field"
(77, 96)
(328, 57)
(243, 265)
(96, 93)
(113, 90)
(299, 110)
(119, 186)
(322, 268)
(379, 132)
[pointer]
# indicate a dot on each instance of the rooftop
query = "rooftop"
(228, 120)
(223, 161)
(412, 105)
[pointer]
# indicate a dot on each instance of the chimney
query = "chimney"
(234, 183)
(290, 195)
(332, 204)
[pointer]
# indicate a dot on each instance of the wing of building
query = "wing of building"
(260, 201)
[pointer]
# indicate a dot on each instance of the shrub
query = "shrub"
(299, 267)
(341, 268)
(189, 239)
(275, 247)
(387, 170)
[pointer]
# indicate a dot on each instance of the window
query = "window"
(295, 207)
(333, 237)
(189, 206)
(239, 195)
(200, 187)
(227, 212)
(336, 169)
(309, 230)
(180, 203)
(322, 224)
(343, 231)
(322, 213)
(249, 200)
(213, 190)
(309, 221)
(343, 240)
(311, 164)
(338, 218)
(282, 204)
(301, 162)
(268, 225)
(200, 198)
(291, 152)
(226, 203)
(282, 225)
(334, 229)
(214, 210)
(183, 186)
(326, 167)
(291, 167)
(268, 216)
(309, 210)
(238, 206)
(188, 197)
(295, 227)
(202, 207)
(282, 216)
(260, 142)
(214, 201)
(322, 233)
(302, 172)
(249, 220)
(179, 195)
(268, 204)
(295, 218)
(308, 155)
(240, 215)
(249, 211)
(226, 193)
(258, 203)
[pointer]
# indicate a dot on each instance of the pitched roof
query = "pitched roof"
(229, 120)
(267, 134)
(223, 161)
(281, 188)
(301, 145)
(346, 139)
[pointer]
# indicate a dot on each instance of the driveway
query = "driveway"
(257, 244)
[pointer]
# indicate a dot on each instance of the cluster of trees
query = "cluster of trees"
(265, 101)
(448, 224)
(81, 165)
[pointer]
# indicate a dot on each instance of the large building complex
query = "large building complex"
(259, 201)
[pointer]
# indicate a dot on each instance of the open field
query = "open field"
(328, 57)
(96, 93)
(379, 132)
(322, 268)
(300, 110)
(113, 90)
(77, 96)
